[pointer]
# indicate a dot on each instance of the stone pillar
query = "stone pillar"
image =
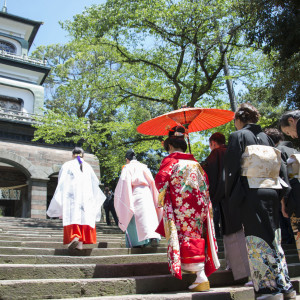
(38, 196)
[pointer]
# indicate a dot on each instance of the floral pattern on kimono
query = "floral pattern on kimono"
(183, 192)
(268, 266)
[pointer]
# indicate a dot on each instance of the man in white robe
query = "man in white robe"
(136, 203)
(77, 200)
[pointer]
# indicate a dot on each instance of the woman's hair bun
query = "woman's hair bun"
(247, 113)
(177, 131)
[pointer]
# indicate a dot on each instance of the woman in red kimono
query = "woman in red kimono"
(187, 217)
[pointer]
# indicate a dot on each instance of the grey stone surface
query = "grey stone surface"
(29, 270)
(38, 163)
(228, 293)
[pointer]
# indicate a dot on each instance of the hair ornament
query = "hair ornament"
(78, 158)
(179, 133)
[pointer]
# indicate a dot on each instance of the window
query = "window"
(11, 103)
(8, 47)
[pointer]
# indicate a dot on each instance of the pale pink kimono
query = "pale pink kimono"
(137, 195)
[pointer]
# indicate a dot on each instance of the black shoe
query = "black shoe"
(154, 242)
(74, 243)
(290, 294)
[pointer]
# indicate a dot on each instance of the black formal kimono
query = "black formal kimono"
(286, 148)
(298, 128)
(292, 201)
(233, 234)
(258, 209)
(214, 168)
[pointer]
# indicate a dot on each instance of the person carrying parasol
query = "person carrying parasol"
(187, 221)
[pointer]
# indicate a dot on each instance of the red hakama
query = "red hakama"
(85, 233)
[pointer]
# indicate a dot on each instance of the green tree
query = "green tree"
(81, 106)
(172, 52)
(130, 61)
(274, 25)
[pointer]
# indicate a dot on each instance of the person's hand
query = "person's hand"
(283, 208)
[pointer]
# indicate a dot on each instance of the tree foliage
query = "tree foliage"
(129, 61)
(274, 25)
(173, 51)
(81, 106)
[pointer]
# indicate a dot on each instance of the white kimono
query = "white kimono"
(137, 195)
(77, 198)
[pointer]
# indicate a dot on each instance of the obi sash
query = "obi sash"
(261, 165)
(293, 166)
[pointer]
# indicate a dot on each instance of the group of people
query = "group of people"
(245, 184)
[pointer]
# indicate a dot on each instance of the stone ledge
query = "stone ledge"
(225, 293)
(46, 288)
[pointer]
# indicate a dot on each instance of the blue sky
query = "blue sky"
(50, 12)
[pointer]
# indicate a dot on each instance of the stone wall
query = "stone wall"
(38, 163)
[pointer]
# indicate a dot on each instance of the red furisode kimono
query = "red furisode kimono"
(187, 217)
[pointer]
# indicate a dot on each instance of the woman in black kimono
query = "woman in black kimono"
(258, 208)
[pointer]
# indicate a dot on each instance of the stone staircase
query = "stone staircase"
(34, 264)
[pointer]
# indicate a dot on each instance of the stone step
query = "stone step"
(48, 288)
(49, 227)
(47, 224)
(94, 251)
(100, 237)
(39, 237)
(54, 230)
(40, 222)
(44, 223)
(36, 224)
(80, 271)
(56, 233)
(60, 245)
(76, 288)
(105, 270)
(86, 252)
(58, 237)
(58, 259)
(106, 257)
(294, 269)
(230, 293)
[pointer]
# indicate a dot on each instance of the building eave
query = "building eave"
(36, 25)
(28, 66)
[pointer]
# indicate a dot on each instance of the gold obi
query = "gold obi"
(293, 166)
(261, 165)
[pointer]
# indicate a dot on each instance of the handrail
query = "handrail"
(24, 58)
(18, 116)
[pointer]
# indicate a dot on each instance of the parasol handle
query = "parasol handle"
(188, 138)
(187, 127)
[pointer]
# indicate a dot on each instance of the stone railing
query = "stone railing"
(15, 115)
(23, 58)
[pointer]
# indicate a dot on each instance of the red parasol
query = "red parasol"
(192, 118)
